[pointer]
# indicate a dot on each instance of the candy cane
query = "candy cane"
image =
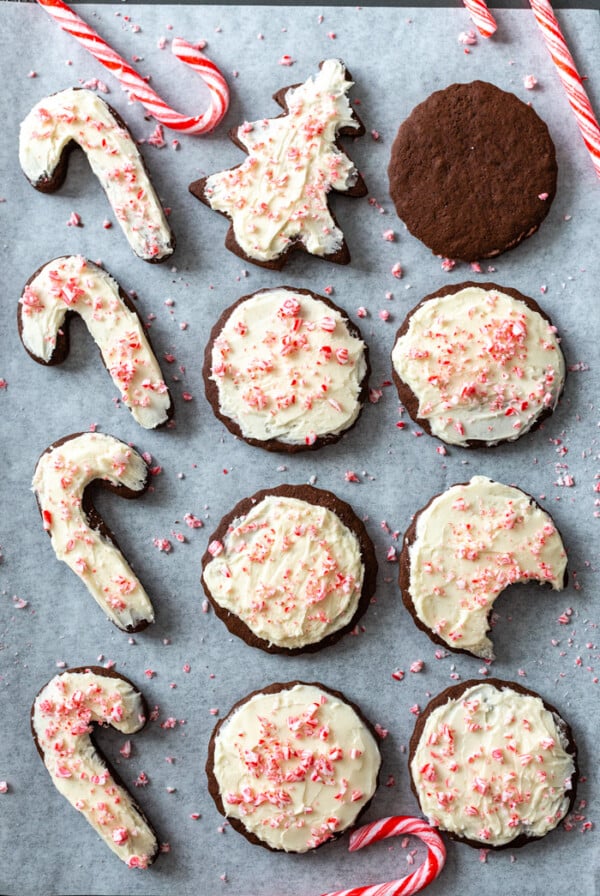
(570, 77)
(79, 536)
(481, 16)
(136, 86)
(392, 827)
(73, 285)
(62, 716)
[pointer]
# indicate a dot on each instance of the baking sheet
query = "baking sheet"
(397, 57)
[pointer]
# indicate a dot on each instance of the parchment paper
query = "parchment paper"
(397, 57)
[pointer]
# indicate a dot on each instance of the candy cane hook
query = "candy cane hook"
(392, 827)
(136, 86)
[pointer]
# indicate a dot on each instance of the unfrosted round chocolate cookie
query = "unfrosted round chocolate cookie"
(293, 765)
(286, 370)
(476, 364)
(290, 569)
(492, 764)
(464, 548)
(472, 171)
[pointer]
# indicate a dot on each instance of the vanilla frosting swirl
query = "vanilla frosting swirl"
(295, 766)
(492, 765)
(470, 543)
(483, 365)
(73, 284)
(287, 367)
(278, 195)
(61, 476)
(290, 570)
(80, 116)
(62, 718)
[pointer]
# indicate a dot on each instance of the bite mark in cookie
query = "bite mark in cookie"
(62, 719)
(79, 536)
(77, 116)
(277, 200)
(464, 548)
(73, 285)
(492, 764)
(478, 364)
(472, 171)
(293, 765)
(290, 569)
(286, 370)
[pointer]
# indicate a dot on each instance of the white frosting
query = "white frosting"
(62, 718)
(61, 477)
(470, 544)
(296, 767)
(291, 570)
(73, 284)
(278, 195)
(82, 117)
(493, 765)
(482, 364)
(287, 368)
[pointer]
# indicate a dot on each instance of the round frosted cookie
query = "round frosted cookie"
(290, 569)
(62, 719)
(472, 171)
(464, 548)
(293, 766)
(476, 364)
(493, 764)
(286, 370)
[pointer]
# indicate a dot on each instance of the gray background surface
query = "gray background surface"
(397, 57)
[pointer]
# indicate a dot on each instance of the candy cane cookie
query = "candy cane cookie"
(286, 370)
(62, 719)
(290, 569)
(73, 285)
(80, 537)
(464, 548)
(293, 765)
(476, 364)
(77, 116)
(492, 764)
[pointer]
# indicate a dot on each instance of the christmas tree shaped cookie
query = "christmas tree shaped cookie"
(277, 199)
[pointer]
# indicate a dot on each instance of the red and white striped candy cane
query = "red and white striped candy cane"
(568, 74)
(482, 17)
(135, 85)
(392, 827)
